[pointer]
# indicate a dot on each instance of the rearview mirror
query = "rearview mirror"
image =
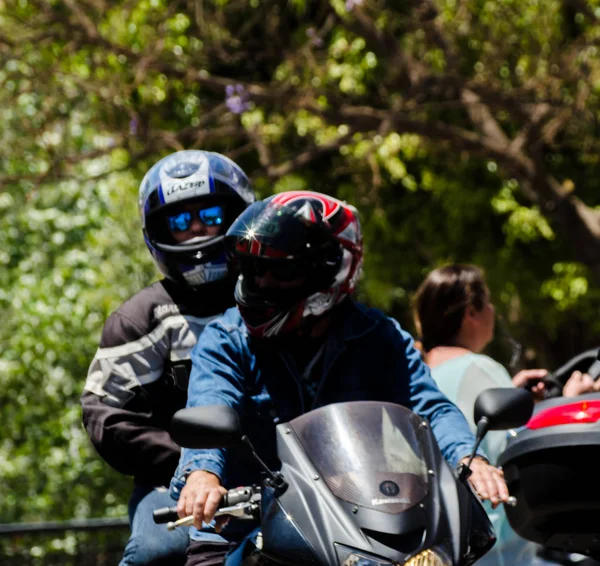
(503, 408)
(212, 426)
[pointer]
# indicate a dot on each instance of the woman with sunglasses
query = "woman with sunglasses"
(455, 317)
(138, 377)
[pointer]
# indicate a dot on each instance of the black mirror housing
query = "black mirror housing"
(503, 408)
(212, 426)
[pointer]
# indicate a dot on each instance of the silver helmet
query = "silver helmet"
(191, 177)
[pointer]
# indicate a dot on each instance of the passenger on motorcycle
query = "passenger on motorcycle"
(297, 341)
(138, 377)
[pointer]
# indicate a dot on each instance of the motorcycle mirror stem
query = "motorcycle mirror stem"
(464, 470)
(276, 478)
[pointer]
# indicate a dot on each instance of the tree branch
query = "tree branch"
(482, 118)
(306, 157)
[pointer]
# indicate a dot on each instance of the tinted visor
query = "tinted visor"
(279, 283)
(252, 292)
(277, 270)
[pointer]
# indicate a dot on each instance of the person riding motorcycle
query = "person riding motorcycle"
(297, 341)
(138, 377)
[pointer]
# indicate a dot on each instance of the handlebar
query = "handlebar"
(165, 515)
(230, 505)
(585, 362)
(553, 386)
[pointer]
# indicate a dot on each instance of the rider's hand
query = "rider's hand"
(525, 376)
(580, 383)
(201, 497)
(488, 481)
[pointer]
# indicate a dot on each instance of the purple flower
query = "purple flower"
(133, 126)
(351, 4)
(236, 98)
(314, 38)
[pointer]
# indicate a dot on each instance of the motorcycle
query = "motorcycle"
(361, 483)
(548, 466)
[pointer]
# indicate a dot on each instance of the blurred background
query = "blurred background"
(463, 130)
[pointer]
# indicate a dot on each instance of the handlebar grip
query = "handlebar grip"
(553, 386)
(531, 383)
(232, 497)
(165, 515)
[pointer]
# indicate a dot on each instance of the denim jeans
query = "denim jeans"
(149, 543)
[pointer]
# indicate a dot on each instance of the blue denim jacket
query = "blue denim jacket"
(368, 357)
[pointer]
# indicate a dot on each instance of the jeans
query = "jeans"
(149, 543)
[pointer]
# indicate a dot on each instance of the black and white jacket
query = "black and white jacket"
(138, 377)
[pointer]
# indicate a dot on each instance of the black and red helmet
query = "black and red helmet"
(310, 244)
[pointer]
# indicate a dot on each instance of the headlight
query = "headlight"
(429, 558)
(364, 560)
(425, 558)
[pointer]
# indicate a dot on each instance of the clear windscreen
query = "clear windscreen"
(370, 454)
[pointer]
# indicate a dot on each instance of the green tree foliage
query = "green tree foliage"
(463, 130)
(73, 261)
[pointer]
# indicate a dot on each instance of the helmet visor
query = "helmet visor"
(266, 311)
(273, 283)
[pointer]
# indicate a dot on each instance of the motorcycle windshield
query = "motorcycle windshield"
(369, 453)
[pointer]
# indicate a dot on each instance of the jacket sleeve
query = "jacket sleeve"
(217, 378)
(117, 413)
(448, 424)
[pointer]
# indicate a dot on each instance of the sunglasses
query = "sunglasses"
(182, 221)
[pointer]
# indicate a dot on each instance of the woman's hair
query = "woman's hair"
(441, 300)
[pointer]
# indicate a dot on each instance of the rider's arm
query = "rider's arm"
(217, 378)
(449, 426)
(117, 413)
